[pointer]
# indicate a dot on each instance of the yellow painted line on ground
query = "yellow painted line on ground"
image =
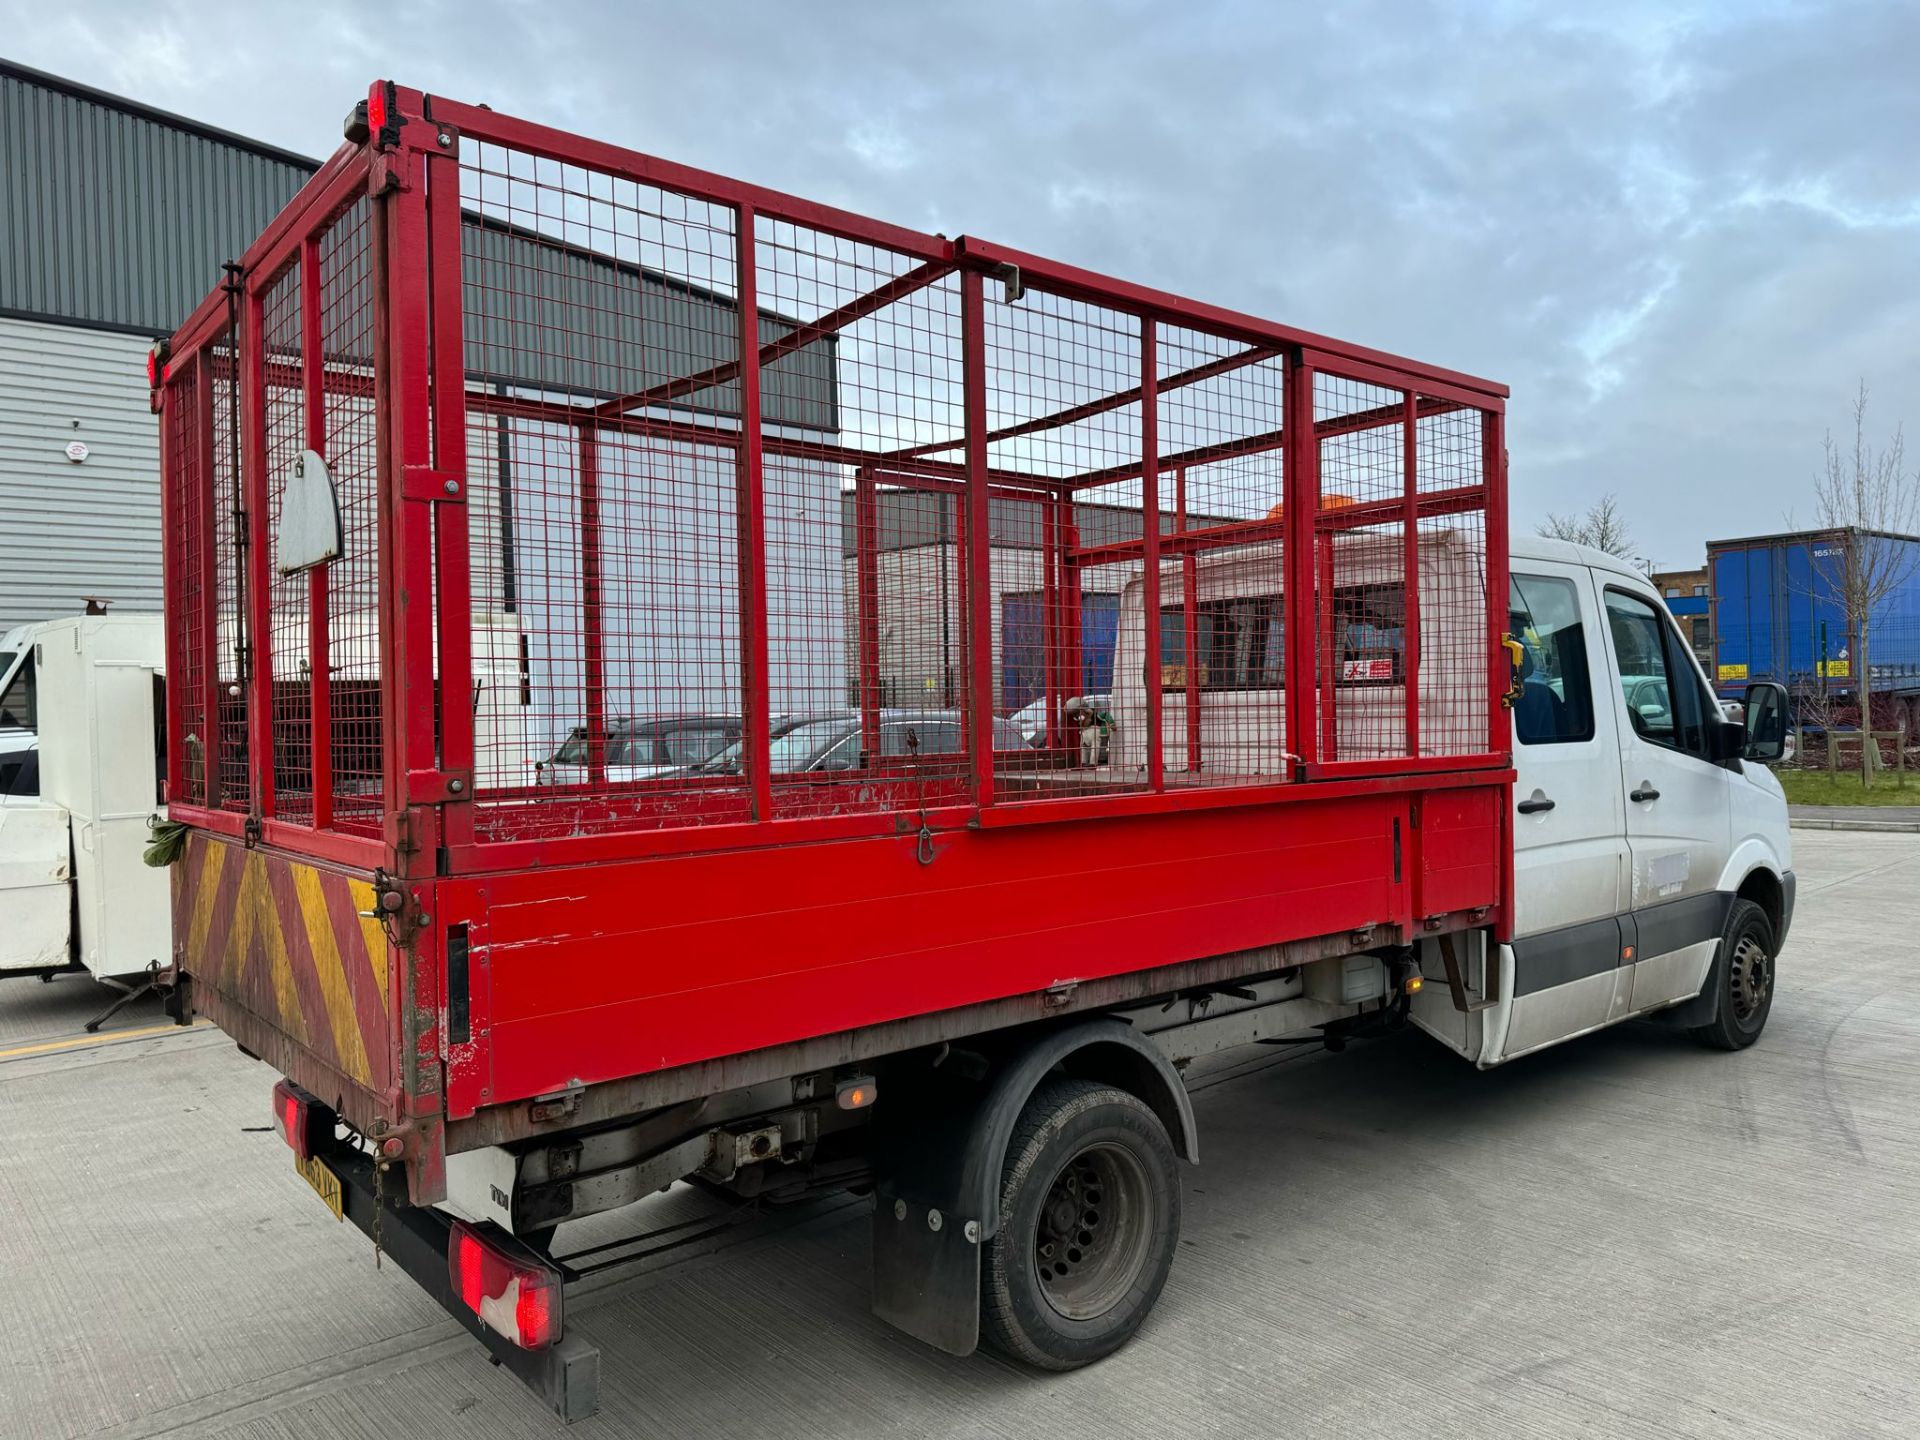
(105, 1037)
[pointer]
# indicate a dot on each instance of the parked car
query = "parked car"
(832, 742)
(644, 749)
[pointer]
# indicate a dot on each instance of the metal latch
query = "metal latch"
(557, 1106)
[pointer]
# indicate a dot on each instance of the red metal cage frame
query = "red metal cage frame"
(428, 768)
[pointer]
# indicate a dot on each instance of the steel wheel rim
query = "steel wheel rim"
(1091, 1238)
(1750, 977)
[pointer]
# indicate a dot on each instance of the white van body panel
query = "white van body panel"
(99, 782)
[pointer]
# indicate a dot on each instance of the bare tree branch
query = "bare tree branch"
(1604, 527)
(1865, 493)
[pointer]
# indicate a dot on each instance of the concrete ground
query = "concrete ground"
(1624, 1236)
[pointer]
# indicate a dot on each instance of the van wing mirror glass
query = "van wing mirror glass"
(1766, 722)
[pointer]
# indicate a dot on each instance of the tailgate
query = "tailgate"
(283, 959)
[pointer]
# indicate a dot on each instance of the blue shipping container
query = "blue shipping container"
(1777, 616)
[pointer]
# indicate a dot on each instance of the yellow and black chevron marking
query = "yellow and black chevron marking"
(287, 942)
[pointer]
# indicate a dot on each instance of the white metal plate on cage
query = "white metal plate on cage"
(309, 529)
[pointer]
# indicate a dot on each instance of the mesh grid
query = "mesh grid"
(898, 740)
(350, 445)
(1455, 702)
(284, 416)
(231, 767)
(617, 617)
(187, 502)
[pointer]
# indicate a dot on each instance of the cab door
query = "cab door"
(1570, 858)
(1677, 802)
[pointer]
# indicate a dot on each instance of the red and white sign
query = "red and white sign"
(1366, 669)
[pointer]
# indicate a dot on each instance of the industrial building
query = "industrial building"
(115, 218)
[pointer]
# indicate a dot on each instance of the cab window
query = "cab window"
(17, 707)
(1662, 693)
(1555, 704)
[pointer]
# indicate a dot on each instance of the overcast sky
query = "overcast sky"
(1682, 233)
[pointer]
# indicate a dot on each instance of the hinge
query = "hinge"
(423, 482)
(436, 787)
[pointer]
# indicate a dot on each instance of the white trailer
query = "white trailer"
(81, 749)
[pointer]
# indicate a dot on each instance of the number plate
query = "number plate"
(325, 1184)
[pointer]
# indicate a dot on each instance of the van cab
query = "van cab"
(1653, 868)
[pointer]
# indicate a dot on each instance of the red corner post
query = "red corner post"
(1150, 549)
(1302, 488)
(406, 560)
(978, 689)
(453, 610)
(1410, 586)
(756, 710)
(313, 362)
(258, 688)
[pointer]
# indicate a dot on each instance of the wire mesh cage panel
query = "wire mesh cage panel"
(230, 767)
(1401, 558)
(347, 613)
(671, 505)
(289, 659)
(189, 553)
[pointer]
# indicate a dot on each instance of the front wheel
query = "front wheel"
(1743, 975)
(1089, 1219)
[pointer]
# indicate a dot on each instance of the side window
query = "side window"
(691, 744)
(17, 706)
(1239, 645)
(1664, 703)
(1370, 631)
(1556, 690)
(930, 737)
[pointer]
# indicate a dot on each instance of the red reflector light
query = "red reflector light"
(514, 1293)
(377, 107)
(290, 1117)
(153, 368)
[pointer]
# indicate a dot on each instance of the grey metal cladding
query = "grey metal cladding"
(116, 215)
(548, 316)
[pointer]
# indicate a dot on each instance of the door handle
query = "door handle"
(1645, 792)
(1536, 804)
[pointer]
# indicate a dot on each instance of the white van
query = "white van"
(81, 761)
(1653, 864)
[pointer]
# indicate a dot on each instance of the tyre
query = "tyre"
(1089, 1219)
(1743, 975)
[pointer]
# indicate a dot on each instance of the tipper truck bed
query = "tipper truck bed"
(470, 472)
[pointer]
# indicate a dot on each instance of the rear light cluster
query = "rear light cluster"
(514, 1294)
(296, 1119)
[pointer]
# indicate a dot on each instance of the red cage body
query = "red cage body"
(980, 628)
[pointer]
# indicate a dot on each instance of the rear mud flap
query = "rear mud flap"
(926, 1273)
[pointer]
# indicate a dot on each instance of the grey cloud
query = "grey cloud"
(1681, 233)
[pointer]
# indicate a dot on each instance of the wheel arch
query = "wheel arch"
(1765, 889)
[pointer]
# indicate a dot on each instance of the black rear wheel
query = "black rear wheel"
(1089, 1219)
(1743, 976)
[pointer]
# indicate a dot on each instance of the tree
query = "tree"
(1603, 527)
(1866, 493)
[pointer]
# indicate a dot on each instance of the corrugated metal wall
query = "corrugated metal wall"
(114, 217)
(67, 529)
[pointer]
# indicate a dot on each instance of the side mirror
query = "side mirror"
(1765, 738)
